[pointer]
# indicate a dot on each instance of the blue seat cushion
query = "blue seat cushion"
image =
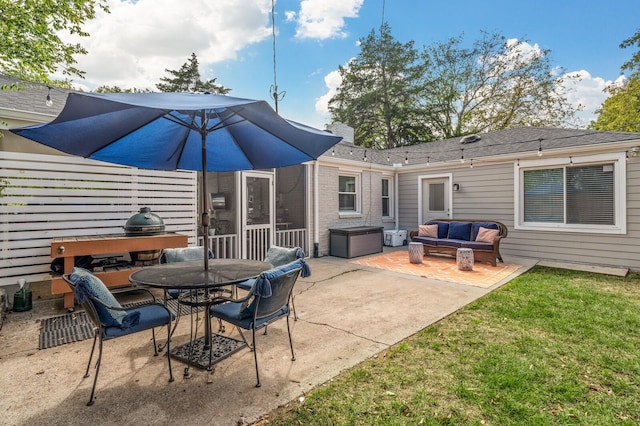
(478, 225)
(149, 316)
(247, 284)
(450, 243)
(460, 231)
(477, 245)
(233, 314)
(443, 228)
(87, 285)
(278, 256)
(426, 240)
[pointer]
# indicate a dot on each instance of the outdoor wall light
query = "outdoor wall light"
(456, 187)
(633, 152)
(49, 102)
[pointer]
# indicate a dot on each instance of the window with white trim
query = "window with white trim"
(582, 195)
(348, 193)
(387, 197)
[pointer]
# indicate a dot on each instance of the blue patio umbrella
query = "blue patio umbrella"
(180, 131)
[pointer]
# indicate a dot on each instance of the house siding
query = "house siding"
(487, 192)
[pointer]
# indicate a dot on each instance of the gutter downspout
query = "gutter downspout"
(395, 201)
(316, 218)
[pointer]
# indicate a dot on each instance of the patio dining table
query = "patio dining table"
(207, 284)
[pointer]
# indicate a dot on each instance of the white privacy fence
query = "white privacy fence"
(46, 197)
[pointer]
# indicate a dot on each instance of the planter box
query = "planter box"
(354, 242)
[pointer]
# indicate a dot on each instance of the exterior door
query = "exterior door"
(435, 198)
(258, 222)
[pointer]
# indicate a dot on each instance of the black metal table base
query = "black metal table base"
(195, 354)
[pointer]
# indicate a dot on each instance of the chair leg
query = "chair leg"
(95, 337)
(169, 332)
(293, 355)
(293, 306)
(95, 379)
(255, 356)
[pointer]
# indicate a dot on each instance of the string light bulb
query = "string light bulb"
(365, 155)
(540, 147)
(462, 156)
(428, 160)
(471, 164)
(49, 101)
(333, 151)
(570, 161)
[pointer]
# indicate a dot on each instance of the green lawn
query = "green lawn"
(553, 347)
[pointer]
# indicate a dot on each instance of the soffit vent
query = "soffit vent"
(469, 139)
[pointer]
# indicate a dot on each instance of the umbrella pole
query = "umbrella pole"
(205, 208)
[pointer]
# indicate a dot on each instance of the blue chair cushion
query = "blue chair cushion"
(478, 225)
(460, 231)
(443, 228)
(233, 314)
(278, 256)
(247, 284)
(87, 285)
(263, 285)
(183, 254)
(149, 316)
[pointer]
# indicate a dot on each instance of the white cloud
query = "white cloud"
(324, 19)
(332, 82)
(290, 15)
(587, 91)
(134, 44)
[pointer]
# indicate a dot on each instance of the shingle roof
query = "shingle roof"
(31, 97)
(502, 142)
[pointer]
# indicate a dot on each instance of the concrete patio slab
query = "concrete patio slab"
(347, 313)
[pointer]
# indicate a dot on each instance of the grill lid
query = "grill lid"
(144, 223)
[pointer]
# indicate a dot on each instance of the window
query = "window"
(348, 198)
(578, 196)
(387, 199)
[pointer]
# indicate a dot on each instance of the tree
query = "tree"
(187, 79)
(118, 89)
(30, 46)
(378, 93)
(620, 112)
(493, 85)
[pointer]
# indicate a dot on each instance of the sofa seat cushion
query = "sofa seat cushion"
(460, 231)
(448, 242)
(477, 245)
(478, 225)
(430, 241)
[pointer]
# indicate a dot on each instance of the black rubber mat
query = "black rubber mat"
(76, 326)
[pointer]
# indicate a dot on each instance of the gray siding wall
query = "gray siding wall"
(487, 192)
(371, 204)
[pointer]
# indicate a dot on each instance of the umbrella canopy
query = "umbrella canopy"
(179, 131)
(165, 131)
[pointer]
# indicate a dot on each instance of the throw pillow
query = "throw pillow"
(460, 231)
(88, 284)
(183, 254)
(487, 235)
(428, 231)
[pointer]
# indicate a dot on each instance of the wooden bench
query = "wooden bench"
(69, 248)
(443, 244)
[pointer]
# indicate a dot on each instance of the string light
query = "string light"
(333, 151)
(49, 101)
(570, 161)
(540, 147)
(462, 156)
(351, 151)
(365, 155)
(387, 158)
(518, 163)
(471, 164)
(406, 158)
(428, 160)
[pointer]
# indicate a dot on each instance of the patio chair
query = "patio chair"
(111, 320)
(279, 256)
(267, 301)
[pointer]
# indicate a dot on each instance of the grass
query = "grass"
(553, 347)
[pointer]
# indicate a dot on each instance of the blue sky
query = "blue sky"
(132, 46)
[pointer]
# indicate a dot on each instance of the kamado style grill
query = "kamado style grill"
(144, 223)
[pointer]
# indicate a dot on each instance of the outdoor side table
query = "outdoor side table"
(416, 252)
(464, 259)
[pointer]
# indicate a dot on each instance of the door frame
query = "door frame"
(424, 180)
(244, 227)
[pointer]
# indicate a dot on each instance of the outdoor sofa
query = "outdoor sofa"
(446, 236)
